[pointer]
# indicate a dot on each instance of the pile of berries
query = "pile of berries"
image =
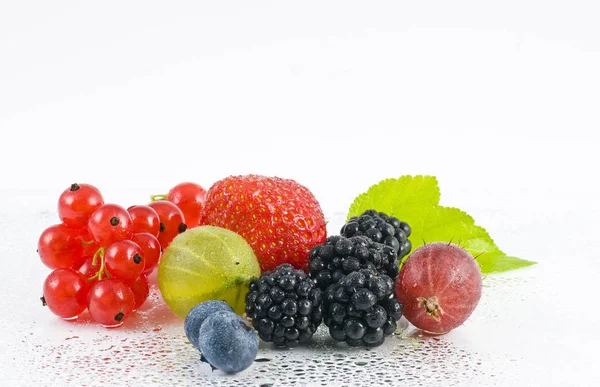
(340, 256)
(380, 228)
(101, 253)
(361, 308)
(350, 286)
(285, 306)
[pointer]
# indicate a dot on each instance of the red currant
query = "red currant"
(77, 203)
(124, 260)
(145, 219)
(172, 221)
(89, 270)
(110, 223)
(189, 197)
(59, 247)
(110, 302)
(65, 293)
(150, 248)
(89, 245)
(140, 289)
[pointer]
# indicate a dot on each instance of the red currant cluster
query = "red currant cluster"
(101, 254)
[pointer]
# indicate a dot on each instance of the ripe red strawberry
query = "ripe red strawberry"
(279, 218)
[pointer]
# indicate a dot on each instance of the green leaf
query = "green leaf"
(415, 201)
(499, 262)
(408, 198)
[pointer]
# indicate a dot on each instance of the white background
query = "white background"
(499, 100)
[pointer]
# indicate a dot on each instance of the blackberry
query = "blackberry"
(339, 256)
(285, 306)
(361, 309)
(379, 227)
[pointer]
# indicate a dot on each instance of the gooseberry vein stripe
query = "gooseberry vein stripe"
(196, 255)
(225, 286)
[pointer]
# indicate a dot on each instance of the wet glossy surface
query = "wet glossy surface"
(524, 331)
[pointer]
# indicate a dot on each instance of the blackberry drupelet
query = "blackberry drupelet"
(285, 306)
(379, 227)
(339, 256)
(361, 309)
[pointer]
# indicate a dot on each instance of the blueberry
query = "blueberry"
(197, 315)
(227, 342)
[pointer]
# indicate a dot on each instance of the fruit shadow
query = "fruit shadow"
(408, 331)
(153, 315)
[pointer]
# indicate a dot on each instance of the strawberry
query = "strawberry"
(279, 218)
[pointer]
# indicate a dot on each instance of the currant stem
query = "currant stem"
(102, 270)
(158, 197)
(86, 243)
(96, 254)
(102, 266)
